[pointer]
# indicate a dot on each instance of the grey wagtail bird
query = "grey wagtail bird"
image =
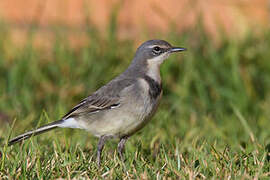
(124, 105)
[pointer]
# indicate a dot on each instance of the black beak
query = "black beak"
(177, 49)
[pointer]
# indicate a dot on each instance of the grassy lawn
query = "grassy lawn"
(213, 121)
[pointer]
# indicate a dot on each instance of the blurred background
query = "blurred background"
(132, 20)
(53, 53)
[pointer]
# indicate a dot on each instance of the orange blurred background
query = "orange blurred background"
(133, 18)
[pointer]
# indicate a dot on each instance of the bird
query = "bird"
(121, 107)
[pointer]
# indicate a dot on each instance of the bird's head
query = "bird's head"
(155, 52)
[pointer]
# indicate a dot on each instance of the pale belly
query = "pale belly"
(121, 121)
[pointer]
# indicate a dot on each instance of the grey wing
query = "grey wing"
(105, 98)
(93, 104)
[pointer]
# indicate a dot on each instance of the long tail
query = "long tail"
(40, 130)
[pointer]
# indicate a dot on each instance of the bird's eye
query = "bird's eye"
(157, 49)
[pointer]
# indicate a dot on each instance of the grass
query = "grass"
(213, 121)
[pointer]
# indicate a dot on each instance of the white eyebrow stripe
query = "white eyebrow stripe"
(162, 46)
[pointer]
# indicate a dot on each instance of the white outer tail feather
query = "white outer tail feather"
(40, 130)
(67, 123)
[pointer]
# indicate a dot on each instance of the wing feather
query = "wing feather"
(107, 97)
(93, 106)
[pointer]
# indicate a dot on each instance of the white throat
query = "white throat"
(153, 66)
(154, 72)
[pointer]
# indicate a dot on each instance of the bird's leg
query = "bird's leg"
(121, 146)
(100, 146)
